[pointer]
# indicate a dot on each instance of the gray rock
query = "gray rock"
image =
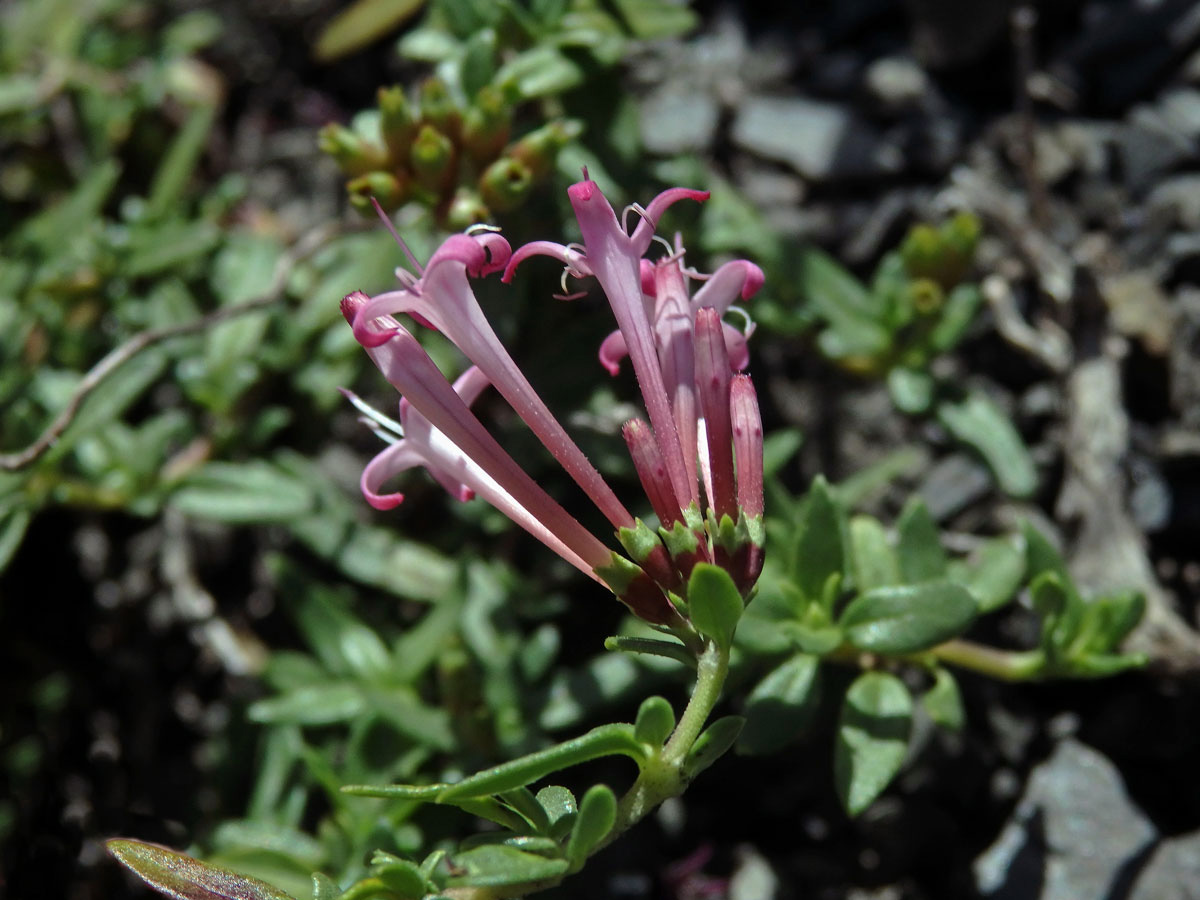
(954, 483)
(1178, 198)
(949, 32)
(678, 121)
(819, 140)
(898, 83)
(1074, 834)
(1173, 871)
(1180, 109)
(1149, 145)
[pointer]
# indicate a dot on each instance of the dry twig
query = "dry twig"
(303, 248)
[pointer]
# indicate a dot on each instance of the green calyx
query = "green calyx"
(680, 539)
(619, 574)
(639, 541)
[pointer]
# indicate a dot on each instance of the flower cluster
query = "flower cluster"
(699, 457)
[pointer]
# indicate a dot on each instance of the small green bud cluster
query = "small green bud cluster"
(457, 159)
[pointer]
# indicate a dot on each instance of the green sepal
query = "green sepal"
(753, 528)
(619, 574)
(655, 721)
(712, 744)
(680, 539)
(714, 603)
(639, 541)
(595, 819)
(724, 533)
(872, 739)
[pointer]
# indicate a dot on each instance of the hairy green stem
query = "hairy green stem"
(1003, 665)
(661, 777)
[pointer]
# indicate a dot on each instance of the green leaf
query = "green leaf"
(655, 19)
(360, 24)
(651, 647)
(911, 389)
(1061, 611)
(184, 878)
(109, 401)
(978, 422)
(238, 493)
(996, 574)
(908, 618)
(239, 836)
(179, 162)
(833, 290)
(496, 865)
(596, 817)
(322, 704)
(959, 311)
(324, 888)
(712, 744)
(402, 876)
(872, 738)
(560, 807)
(817, 552)
(714, 603)
(342, 642)
(875, 563)
(540, 72)
(1041, 555)
(943, 701)
(781, 705)
(156, 247)
(605, 740)
(13, 524)
(655, 721)
(920, 544)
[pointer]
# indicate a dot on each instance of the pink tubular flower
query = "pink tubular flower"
(699, 457)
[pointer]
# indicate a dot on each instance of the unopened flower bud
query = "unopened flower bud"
(505, 184)
(712, 384)
(639, 592)
(487, 125)
(352, 152)
(396, 122)
(439, 109)
(383, 186)
(651, 471)
(539, 149)
(748, 444)
(466, 209)
(432, 158)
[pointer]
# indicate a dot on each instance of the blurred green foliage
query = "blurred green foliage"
(188, 339)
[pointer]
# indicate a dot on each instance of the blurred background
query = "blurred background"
(980, 226)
